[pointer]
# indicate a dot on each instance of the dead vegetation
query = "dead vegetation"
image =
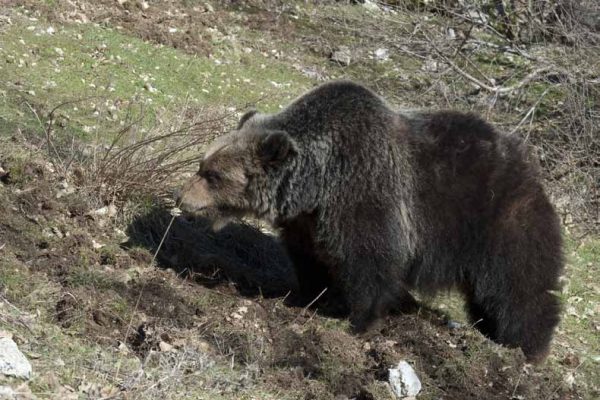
(531, 67)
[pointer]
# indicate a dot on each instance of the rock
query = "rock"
(12, 361)
(370, 5)
(454, 325)
(208, 7)
(165, 347)
(382, 54)
(404, 380)
(110, 211)
(430, 65)
(342, 55)
(7, 393)
(148, 86)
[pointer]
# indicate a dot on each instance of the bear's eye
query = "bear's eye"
(211, 176)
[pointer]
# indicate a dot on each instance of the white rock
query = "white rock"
(110, 211)
(12, 361)
(404, 380)
(371, 6)
(7, 393)
(454, 325)
(382, 54)
(165, 347)
(430, 65)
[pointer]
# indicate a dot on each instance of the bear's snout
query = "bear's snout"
(194, 196)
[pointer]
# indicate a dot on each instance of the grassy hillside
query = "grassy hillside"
(104, 108)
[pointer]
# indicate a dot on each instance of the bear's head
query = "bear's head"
(239, 175)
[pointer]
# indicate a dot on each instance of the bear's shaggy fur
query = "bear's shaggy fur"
(377, 202)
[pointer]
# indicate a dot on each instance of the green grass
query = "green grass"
(104, 72)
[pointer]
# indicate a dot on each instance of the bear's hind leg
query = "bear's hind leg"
(528, 323)
(482, 320)
(405, 303)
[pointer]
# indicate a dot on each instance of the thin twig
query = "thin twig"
(313, 301)
(137, 302)
(530, 112)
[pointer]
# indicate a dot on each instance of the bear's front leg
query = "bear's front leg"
(371, 290)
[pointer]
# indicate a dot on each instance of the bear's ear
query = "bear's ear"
(247, 115)
(275, 146)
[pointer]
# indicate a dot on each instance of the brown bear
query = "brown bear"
(375, 202)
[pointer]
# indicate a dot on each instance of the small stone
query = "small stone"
(404, 380)
(382, 54)
(165, 347)
(12, 361)
(108, 211)
(150, 88)
(370, 5)
(454, 325)
(7, 393)
(208, 7)
(342, 55)
(569, 380)
(430, 65)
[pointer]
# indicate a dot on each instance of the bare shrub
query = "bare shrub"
(137, 162)
(139, 158)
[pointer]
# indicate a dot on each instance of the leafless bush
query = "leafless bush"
(140, 158)
(570, 153)
(137, 162)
